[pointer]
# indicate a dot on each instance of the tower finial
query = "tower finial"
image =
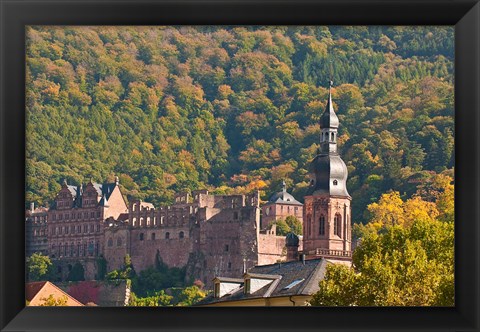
(284, 186)
(331, 72)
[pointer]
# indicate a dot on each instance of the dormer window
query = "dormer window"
(335, 182)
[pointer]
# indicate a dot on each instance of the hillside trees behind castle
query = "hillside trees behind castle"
(236, 109)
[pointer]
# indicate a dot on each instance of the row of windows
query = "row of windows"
(39, 219)
(325, 137)
(75, 229)
(148, 221)
(38, 232)
(75, 250)
(141, 237)
(77, 216)
(119, 242)
(289, 209)
(337, 225)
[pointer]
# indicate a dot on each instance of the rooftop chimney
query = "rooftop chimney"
(32, 206)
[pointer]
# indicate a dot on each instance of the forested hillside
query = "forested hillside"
(234, 109)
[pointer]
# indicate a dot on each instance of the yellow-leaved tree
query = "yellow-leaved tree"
(405, 257)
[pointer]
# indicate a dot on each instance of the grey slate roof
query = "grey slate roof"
(104, 191)
(325, 169)
(73, 190)
(282, 197)
(312, 272)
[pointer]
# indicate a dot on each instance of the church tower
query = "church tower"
(327, 210)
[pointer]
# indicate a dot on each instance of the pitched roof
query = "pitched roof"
(301, 278)
(104, 189)
(72, 189)
(283, 197)
(37, 292)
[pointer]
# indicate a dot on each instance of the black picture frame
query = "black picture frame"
(15, 15)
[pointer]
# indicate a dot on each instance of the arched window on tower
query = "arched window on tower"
(309, 226)
(337, 225)
(322, 225)
(332, 137)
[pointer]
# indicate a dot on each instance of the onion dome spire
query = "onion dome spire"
(328, 172)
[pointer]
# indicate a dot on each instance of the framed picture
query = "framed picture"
(219, 158)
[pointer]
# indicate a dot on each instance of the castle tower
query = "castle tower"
(327, 211)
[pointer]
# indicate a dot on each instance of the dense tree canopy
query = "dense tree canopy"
(39, 267)
(235, 109)
(405, 258)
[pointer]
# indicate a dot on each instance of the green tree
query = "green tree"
(126, 272)
(77, 273)
(282, 227)
(290, 224)
(398, 266)
(51, 301)
(294, 224)
(190, 295)
(39, 267)
(158, 299)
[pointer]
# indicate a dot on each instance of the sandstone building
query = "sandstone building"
(209, 234)
(279, 206)
(36, 231)
(281, 284)
(76, 224)
(327, 209)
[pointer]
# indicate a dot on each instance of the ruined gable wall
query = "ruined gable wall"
(271, 248)
(116, 204)
(226, 239)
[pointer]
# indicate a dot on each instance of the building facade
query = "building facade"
(279, 206)
(36, 230)
(76, 224)
(210, 235)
